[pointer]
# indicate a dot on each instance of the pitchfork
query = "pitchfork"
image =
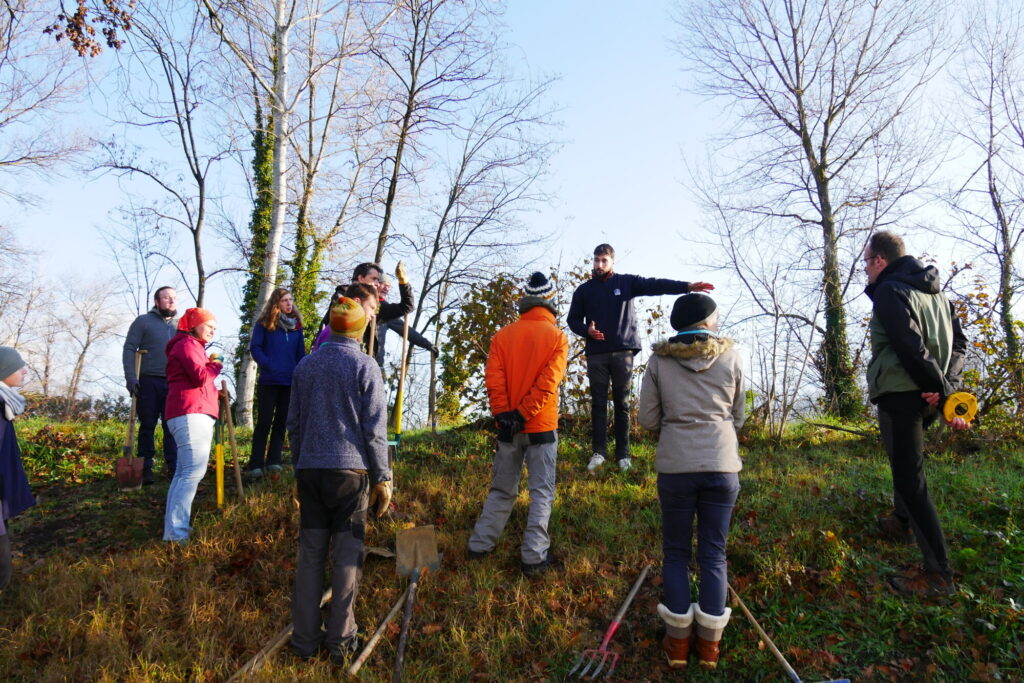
(602, 655)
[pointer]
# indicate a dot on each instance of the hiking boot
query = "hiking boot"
(349, 647)
(625, 464)
(274, 469)
(924, 582)
(678, 636)
(550, 562)
(709, 635)
(894, 529)
(477, 554)
(596, 460)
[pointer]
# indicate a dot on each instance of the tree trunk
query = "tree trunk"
(247, 373)
(389, 202)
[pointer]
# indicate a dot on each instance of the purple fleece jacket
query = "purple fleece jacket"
(337, 418)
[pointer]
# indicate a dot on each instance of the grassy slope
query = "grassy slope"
(97, 597)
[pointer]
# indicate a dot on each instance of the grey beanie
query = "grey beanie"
(10, 362)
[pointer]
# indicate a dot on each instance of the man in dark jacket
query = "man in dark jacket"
(150, 332)
(602, 312)
(917, 355)
(337, 426)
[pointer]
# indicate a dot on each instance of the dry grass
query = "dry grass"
(144, 610)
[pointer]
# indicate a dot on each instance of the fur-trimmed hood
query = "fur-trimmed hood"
(699, 355)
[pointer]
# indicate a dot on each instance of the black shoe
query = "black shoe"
(345, 651)
(477, 554)
(550, 562)
(298, 654)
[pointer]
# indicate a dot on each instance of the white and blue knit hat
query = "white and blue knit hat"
(539, 286)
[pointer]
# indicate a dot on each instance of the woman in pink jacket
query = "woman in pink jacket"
(191, 412)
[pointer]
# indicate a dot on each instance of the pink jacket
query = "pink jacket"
(190, 378)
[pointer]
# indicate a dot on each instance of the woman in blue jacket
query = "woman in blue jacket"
(277, 347)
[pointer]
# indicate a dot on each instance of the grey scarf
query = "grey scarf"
(286, 322)
(14, 403)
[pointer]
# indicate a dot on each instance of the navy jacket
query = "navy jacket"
(14, 488)
(608, 303)
(276, 353)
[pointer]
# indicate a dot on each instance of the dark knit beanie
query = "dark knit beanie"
(540, 287)
(10, 362)
(691, 309)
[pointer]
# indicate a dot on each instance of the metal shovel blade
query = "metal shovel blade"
(416, 549)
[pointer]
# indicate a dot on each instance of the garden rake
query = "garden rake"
(588, 659)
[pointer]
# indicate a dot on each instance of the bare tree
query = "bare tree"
(437, 52)
(269, 30)
(989, 203)
(168, 88)
(503, 149)
(90, 321)
(822, 149)
(37, 82)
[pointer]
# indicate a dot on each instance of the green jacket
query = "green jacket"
(916, 340)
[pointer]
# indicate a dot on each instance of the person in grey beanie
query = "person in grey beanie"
(150, 333)
(15, 494)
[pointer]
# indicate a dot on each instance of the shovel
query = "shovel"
(417, 550)
(129, 468)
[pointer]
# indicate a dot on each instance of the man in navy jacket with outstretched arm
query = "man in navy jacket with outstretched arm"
(602, 313)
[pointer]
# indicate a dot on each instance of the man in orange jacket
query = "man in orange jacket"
(524, 368)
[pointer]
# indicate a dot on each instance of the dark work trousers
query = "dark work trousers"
(614, 368)
(710, 496)
(902, 418)
(332, 515)
(151, 401)
(271, 414)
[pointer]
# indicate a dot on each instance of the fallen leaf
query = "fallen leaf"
(431, 629)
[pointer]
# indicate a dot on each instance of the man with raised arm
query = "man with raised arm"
(602, 312)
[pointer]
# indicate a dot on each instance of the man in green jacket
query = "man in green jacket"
(917, 355)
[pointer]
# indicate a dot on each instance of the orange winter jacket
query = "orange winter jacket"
(526, 365)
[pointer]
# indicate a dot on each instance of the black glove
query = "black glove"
(509, 424)
(133, 386)
(435, 351)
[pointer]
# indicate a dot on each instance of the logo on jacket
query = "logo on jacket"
(618, 292)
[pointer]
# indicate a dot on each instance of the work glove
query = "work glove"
(380, 498)
(133, 387)
(435, 351)
(401, 274)
(509, 424)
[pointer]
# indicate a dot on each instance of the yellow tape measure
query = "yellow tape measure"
(961, 404)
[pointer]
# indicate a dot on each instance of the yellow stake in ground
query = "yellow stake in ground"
(219, 454)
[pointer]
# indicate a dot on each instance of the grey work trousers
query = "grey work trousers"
(333, 511)
(540, 462)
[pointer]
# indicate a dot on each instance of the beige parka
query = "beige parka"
(693, 395)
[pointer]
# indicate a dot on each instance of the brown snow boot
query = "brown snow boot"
(709, 634)
(678, 634)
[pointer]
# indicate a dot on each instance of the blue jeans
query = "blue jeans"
(194, 434)
(710, 496)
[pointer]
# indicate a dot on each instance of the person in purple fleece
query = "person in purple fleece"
(15, 494)
(337, 424)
